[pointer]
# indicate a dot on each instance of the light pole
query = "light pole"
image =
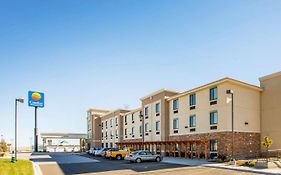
(141, 116)
(232, 119)
(16, 125)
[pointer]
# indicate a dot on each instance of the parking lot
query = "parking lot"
(69, 164)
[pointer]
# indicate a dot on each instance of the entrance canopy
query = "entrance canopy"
(63, 136)
(63, 145)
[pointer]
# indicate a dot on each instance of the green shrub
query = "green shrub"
(250, 163)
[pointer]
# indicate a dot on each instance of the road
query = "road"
(71, 164)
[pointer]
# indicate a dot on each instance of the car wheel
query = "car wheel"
(138, 160)
(158, 159)
(118, 157)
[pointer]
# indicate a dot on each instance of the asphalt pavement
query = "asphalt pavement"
(83, 164)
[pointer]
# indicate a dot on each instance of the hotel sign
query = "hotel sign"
(36, 99)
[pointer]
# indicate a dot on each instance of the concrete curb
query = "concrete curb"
(36, 168)
(245, 169)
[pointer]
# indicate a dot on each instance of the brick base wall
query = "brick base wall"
(246, 144)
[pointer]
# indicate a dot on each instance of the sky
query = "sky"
(109, 53)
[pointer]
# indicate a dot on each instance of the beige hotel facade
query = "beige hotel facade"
(196, 121)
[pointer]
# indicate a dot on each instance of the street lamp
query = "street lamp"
(14, 159)
(232, 119)
(141, 116)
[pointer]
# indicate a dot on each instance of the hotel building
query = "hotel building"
(94, 127)
(198, 122)
(112, 128)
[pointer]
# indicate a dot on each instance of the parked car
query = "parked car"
(93, 150)
(101, 152)
(109, 152)
(90, 151)
(119, 154)
(140, 156)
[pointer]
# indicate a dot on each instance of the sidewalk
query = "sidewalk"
(204, 163)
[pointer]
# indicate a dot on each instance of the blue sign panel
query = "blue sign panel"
(36, 99)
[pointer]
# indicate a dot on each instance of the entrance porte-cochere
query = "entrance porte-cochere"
(187, 149)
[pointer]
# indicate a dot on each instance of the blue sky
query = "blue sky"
(108, 54)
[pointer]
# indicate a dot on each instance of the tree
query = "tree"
(3, 146)
(267, 142)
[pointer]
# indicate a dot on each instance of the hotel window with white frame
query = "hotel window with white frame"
(133, 130)
(111, 122)
(213, 94)
(192, 121)
(157, 108)
(146, 111)
(116, 132)
(157, 125)
(146, 127)
(192, 100)
(116, 121)
(125, 118)
(141, 130)
(133, 117)
(176, 123)
(213, 145)
(175, 104)
(213, 118)
(125, 131)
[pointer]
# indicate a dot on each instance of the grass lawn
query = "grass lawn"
(22, 167)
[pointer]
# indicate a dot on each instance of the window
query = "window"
(116, 120)
(106, 124)
(133, 130)
(141, 130)
(106, 134)
(116, 132)
(214, 145)
(213, 94)
(110, 122)
(111, 133)
(192, 121)
(157, 108)
(146, 127)
(125, 118)
(157, 125)
(192, 100)
(176, 123)
(132, 117)
(146, 111)
(102, 124)
(125, 131)
(176, 104)
(214, 118)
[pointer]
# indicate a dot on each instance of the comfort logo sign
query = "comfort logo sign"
(36, 96)
(36, 99)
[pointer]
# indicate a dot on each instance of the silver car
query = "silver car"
(140, 156)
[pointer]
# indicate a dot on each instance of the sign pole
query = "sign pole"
(35, 99)
(35, 133)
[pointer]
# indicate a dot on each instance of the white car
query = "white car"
(140, 156)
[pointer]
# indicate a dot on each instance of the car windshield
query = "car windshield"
(148, 153)
(135, 153)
